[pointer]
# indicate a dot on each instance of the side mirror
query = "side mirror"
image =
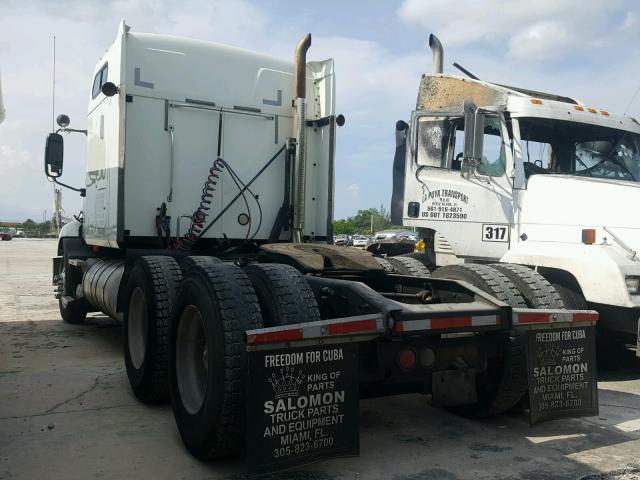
(109, 89)
(473, 132)
(53, 155)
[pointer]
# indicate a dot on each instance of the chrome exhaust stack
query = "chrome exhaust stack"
(438, 53)
(299, 132)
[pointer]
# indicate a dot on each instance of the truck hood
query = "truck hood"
(566, 204)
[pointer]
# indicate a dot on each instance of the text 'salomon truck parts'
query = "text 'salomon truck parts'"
(207, 228)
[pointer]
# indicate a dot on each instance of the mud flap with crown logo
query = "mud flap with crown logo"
(561, 369)
(302, 406)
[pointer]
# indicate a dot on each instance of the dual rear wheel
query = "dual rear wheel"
(202, 327)
(504, 383)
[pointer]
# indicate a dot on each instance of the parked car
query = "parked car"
(341, 240)
(360, 241)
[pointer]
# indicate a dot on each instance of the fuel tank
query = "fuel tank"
(100, 285)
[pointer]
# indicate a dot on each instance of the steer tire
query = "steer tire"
(504, 383)
(149, 296)
(215, 304)
(284, 294)
(534, 288)
(409, 266)
(72, 313)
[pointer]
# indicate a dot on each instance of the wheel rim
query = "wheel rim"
(192, 359)
(137, 327)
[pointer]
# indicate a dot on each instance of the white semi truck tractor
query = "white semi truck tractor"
(529, 182)
(206, 229)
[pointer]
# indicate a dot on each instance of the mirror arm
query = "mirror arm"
(83, 191)
(68, 130)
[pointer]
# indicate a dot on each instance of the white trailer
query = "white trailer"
(207, 229)
(489, 173)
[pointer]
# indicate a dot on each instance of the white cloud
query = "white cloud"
(376, 83)
(539, 39)
(544, 29)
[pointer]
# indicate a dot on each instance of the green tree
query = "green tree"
(44, 228)
(362, 222)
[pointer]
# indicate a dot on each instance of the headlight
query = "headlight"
(633, 285)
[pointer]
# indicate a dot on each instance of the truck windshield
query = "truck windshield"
(557, 146)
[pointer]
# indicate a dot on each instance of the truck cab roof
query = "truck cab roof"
(448, 93)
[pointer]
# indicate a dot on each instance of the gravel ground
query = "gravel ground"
(66, 412)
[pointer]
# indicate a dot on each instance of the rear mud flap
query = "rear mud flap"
(561, 370)
(302, 406)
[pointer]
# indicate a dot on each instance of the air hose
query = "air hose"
(200, 215)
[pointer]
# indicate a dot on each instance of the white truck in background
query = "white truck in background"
(489, 173)
(207, 229)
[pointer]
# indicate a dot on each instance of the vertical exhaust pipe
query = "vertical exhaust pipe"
(438, 53)
(299, 132)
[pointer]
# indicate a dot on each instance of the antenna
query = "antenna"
(465, 71)
(632, 99)
(53, 93)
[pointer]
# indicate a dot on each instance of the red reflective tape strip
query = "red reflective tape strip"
(451, 322)
(276, 337)
(585, 317)
(356, 326)
(534, 318)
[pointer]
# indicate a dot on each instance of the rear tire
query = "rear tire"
(215, 305)
(385, 264)
(504, 382)
(534, 288)
(409, 266)
(422, 258)
(149, 298)
(284, 294)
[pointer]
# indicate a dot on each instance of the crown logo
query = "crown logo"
(549, 355)
(287, 384)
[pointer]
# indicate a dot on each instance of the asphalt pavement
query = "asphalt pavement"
(66, 412)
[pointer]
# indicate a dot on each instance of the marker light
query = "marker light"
(579, 108)
(407, 359)
(427, 357)
(588, 236)
(535, 101)
(593, 110)
(604, 112)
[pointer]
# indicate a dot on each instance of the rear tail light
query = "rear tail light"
(588, 236)
(407, 359)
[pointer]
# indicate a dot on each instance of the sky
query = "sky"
(586, 49)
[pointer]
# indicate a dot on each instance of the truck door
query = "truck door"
(469, 204)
